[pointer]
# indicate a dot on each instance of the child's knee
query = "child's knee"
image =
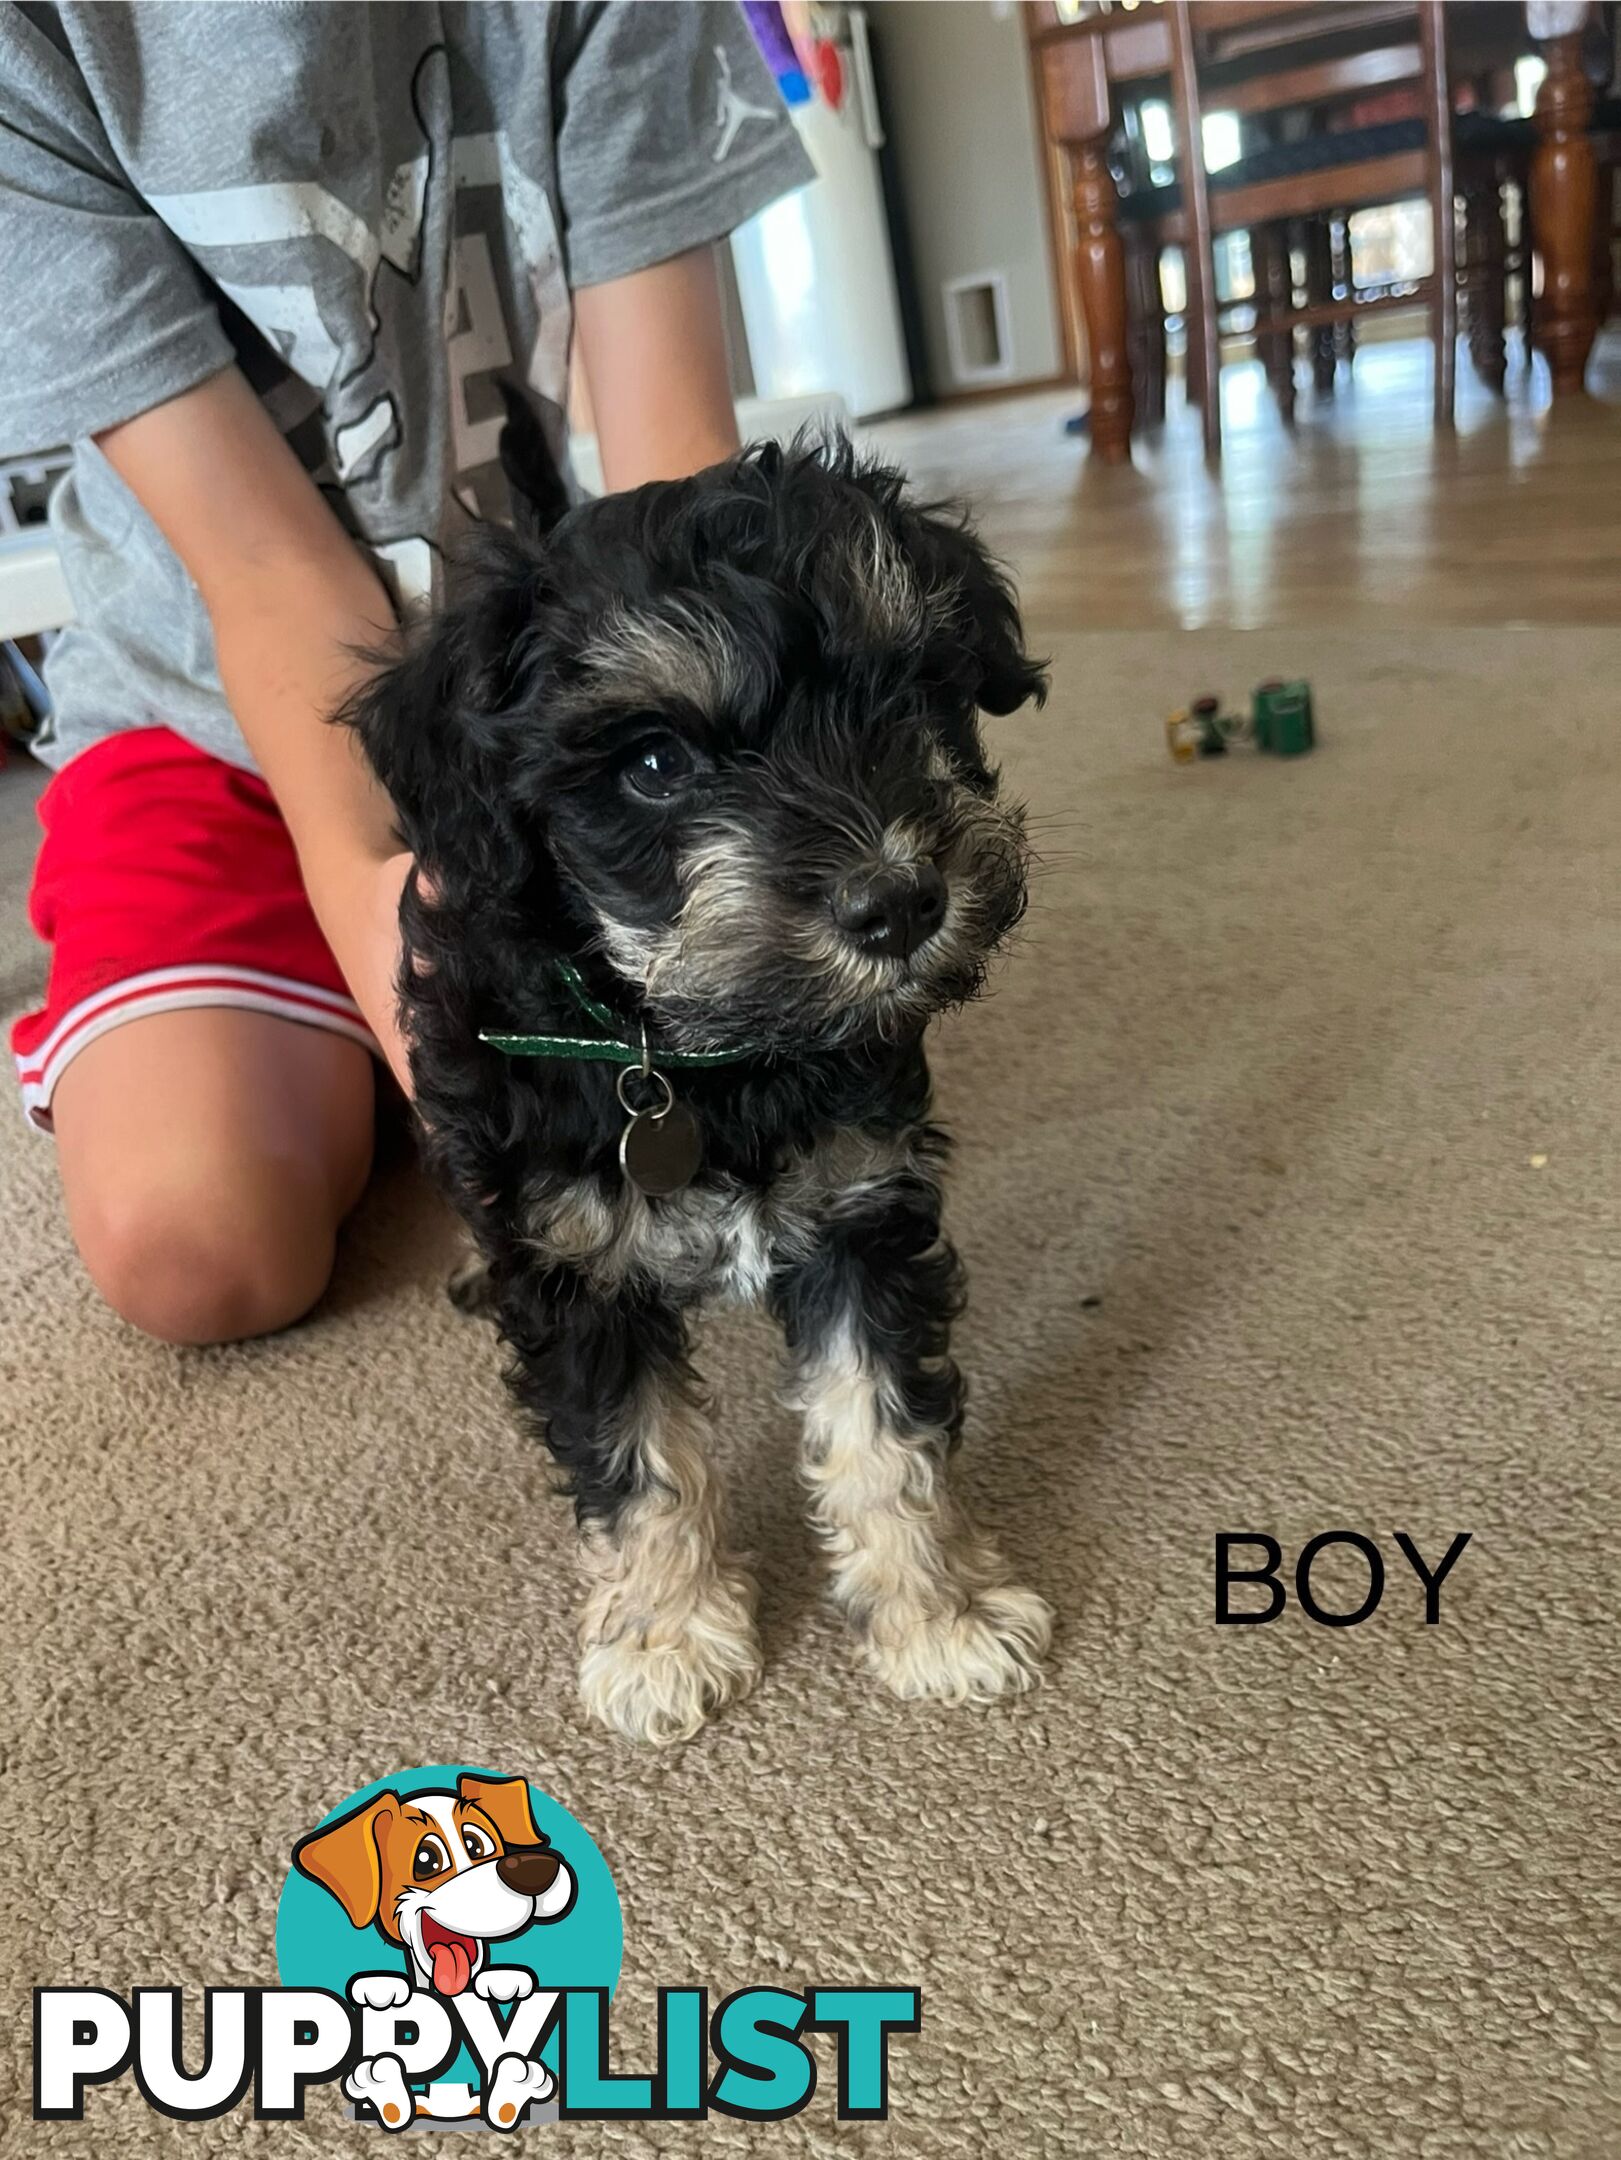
(188, 1269)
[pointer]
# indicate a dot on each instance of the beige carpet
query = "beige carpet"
(1247, 1188)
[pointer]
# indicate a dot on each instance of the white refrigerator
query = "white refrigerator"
(816, 273)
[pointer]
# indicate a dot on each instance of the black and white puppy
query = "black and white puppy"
(715, 744)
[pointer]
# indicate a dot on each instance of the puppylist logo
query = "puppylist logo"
(448, 1943)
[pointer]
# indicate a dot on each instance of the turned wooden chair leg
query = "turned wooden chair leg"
(1485, 253)
(1345, 281)
(1145, 308)
(1274, 289)
(1319, 252)
(1564, 186)
(1100, 273)
(1154, 308)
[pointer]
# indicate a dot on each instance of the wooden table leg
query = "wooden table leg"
(1100, 272)
(1079, 116)
(1564, 195)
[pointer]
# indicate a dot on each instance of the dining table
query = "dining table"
(1091, 55)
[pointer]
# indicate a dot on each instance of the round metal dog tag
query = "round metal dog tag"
(661, 1154)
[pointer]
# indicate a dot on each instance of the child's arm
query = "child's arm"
(290, 596)
(654, 350)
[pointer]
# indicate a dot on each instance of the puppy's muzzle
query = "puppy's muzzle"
(529, 1869)
(891, 910)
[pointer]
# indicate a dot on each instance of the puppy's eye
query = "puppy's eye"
(430, 1858)
(478, 1845)
(661, 768)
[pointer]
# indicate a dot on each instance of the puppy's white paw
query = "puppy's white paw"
(992, 1645)
(382, 2082)
(516, 2082)
(658, 1681)
(504, 1983)
(379, 1991)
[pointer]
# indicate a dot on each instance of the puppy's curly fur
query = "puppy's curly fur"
(667, 735)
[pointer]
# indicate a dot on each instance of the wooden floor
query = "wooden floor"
(1362, 515)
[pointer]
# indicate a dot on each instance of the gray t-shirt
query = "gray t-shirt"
(378, 212)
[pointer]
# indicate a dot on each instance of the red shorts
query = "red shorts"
(167, 880)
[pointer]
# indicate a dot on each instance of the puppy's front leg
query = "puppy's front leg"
(667, 1632)
(868, 1318)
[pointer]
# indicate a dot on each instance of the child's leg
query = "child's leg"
(206, 1073)
(208, 1157)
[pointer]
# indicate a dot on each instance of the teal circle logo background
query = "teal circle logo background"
(316, 1946)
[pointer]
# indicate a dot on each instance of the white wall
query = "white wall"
(963, 123)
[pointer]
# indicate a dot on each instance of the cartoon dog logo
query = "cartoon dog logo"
(441, 1875)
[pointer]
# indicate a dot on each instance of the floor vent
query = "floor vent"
(977, 328)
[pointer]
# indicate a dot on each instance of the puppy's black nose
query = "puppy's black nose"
(892, 910)
(529, 1869)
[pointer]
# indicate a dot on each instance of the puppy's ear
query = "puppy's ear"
(979, 613)
(430, 720)
(347, 1858)
(506, 1802)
